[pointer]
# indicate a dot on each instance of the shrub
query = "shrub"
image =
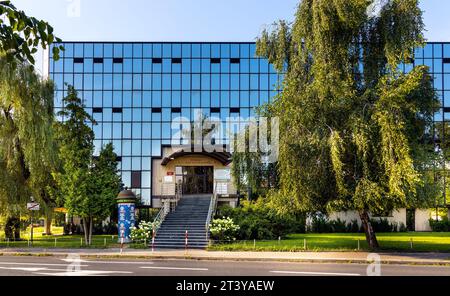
(383, 225)
(320, 224)
(257, 221)
(223, 229)
(440, 225)
(353, 227)
(143, 231)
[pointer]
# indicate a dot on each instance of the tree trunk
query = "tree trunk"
(91, 222)
(48, 223)
(85, 228)
(368, 229)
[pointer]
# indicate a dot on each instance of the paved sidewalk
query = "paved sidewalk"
(316, 257)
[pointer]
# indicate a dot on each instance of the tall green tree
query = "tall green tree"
(87, 185)
(27, 154)
(22, 35)
(351, 123)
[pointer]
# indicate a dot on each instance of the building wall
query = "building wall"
(422, 222)
(398, 216)
(160, 172)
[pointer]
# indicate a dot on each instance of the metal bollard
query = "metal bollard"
(186, 241)
(55, 241)
(105, 241)
(153, 239)
(81, 242)
(359, 245)
(7, 243)
(279, 240)
(411, 243)
(304, 243)
(254, 243)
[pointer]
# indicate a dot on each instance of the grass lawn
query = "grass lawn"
(57, 240)
(422, 242)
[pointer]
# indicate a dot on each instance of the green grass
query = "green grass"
(67, 241)
(422, 242)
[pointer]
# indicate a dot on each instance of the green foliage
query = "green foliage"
(76, 150)
(88, 185)
(27, 146)
(258, 221)
(143, 232)
(442, 225)
(354, 131)
(105, 182)
(321, 224)
(21, 35)
(223, 229)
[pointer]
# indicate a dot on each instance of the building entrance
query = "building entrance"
(196, 179)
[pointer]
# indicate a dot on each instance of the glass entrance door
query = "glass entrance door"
(198, 180)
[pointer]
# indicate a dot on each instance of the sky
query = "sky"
(186, 20)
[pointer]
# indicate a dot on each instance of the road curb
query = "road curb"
(216, 258)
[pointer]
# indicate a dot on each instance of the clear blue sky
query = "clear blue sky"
(185, 20)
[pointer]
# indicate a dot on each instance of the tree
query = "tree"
(250, 170)
(27, 155)
(87, 185)
(106, 185)
(26, 111)
(21, 35)
(351, 124)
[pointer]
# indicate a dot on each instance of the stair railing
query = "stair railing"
(211, 211)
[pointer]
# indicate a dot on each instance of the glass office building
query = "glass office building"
(135, 90)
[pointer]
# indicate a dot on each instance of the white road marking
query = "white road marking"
(38, 264)
(85, 273)
(107, 262)
(314, 273)
(175, 268)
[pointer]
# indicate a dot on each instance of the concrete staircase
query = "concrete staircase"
(191, 215)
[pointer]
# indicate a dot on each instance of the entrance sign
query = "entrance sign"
(33, 206)
(168, 179)
(222, 174)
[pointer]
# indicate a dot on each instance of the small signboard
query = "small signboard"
(33, 206)
(222, 174)
(168, 179)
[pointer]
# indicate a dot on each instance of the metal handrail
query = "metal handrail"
(159, 219)
(212, 209)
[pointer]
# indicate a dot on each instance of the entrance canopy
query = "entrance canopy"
(223, 157)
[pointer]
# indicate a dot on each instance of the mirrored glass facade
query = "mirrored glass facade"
(134, 90)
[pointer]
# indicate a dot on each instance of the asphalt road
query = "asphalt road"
(52, 266)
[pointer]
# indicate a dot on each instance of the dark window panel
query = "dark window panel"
(215, 61)
(117, 110)
(78, 60)
(176, 110)
(136, 179)
(157, 60)
(235, 110)
(118, 60)
(446, 60)
(97, 110)
(215, 110)
(156, 110)
(119, 158)
(98, 60)
(176, 61)
(235, 61)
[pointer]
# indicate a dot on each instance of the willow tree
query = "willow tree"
(26, 139)
(351, 123)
